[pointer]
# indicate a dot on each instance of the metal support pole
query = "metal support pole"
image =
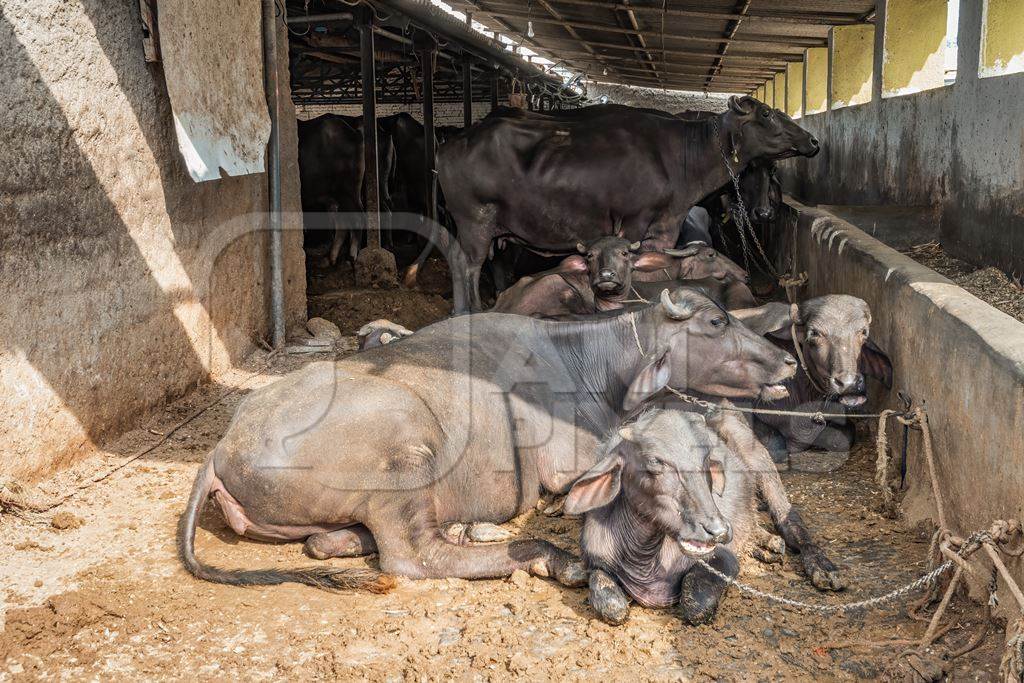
(270, 81)
(427, 67)
(494, 90)
(467, 91)
(371, 172)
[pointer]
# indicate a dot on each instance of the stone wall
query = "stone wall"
(124, 283)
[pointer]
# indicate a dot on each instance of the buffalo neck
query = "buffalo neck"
(704, 148)
(603, 357)
(637, 560)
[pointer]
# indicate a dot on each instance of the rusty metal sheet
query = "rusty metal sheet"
(213, 64)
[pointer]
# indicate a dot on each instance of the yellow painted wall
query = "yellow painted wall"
(853, 50)
(915, 46)
(780, 91)
(769, 93)
(795, 89)
(817, 80)
(1002, 38)
(759, 93)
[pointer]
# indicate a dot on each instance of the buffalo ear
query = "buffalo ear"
(652, 378)
(574, 264)
(771, 319)
(717, 472)
(651, 260)
(597, 487)
(875, 363)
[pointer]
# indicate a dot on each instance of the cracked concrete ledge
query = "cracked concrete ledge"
(955, 354)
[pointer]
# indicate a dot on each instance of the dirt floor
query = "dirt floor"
(991, 285)
(93, 589)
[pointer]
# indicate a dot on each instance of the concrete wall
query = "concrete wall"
(959, 357)
(124, 283)
(959, 148)
(852, 49)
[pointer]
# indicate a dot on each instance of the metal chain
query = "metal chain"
(842, 608)
(968, 547)
(743, 222)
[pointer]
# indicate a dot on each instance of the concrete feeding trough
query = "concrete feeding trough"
(952, 353)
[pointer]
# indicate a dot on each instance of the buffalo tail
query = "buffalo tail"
(326, 578)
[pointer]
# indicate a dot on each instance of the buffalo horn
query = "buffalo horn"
(672, 309)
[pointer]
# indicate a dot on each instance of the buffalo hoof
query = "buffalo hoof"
(824, 575)
(572, 574)
(556, 508)
(483, 532)
(699, 608)
(701, 591)
(769, 549)
(608, 599)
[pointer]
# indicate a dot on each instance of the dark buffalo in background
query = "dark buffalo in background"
(332, 175)
(550, 182)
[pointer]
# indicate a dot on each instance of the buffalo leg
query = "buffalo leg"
(431, 556)
(476, 532)
(701, 591)
(353, 541)
(790, 525)
(738, 435)
(607, 598)
(338, 233)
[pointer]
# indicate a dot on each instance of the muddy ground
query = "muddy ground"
(103, 595)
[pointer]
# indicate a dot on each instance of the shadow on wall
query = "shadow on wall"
(113, 303)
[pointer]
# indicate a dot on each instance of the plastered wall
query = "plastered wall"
(124, 283)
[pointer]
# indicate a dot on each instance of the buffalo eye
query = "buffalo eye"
(654, 466)
(864, 332)
(719, 321)
(765, 113)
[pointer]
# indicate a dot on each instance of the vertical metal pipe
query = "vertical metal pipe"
(270, 80)
(372, 172)
(467, 91)
(494, 90)
(427, 66)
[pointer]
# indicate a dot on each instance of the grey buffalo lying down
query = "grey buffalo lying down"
(468, 420)
(379, 333)
(665, 492)
(832, 331)
(693, 262)
(607, 275)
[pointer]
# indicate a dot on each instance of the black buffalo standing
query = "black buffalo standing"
(547, 183)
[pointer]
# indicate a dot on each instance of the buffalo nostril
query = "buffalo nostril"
(814, 141)
(848, 382)
(607, 274)
(790, 361)
(719, 530)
